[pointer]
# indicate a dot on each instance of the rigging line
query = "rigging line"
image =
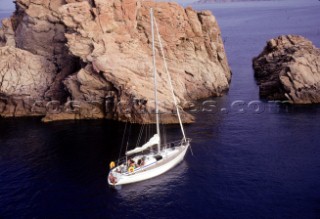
(129, 133)
(140, 135)
(164, 135)
(148, 135)
(128, 136)
(122, 142)
(169, 79)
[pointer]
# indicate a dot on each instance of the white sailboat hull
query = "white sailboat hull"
(171, 157)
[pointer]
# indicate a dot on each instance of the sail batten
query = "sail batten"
(155, 140)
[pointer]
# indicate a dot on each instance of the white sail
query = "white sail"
(155, 140)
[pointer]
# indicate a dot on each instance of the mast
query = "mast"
(170, 83)
(155, 78)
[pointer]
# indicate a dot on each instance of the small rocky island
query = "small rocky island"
(91, 59)
(289, 69)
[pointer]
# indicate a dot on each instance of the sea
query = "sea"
(251, 158)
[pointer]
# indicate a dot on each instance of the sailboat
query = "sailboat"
(141, 163)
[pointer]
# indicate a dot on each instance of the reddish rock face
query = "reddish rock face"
(101, 53)
(289, 69)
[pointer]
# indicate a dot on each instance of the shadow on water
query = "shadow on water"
(45, 167)
(53, 168)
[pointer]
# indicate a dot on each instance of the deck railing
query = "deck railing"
(172, 144)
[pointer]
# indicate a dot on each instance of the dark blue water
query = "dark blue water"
(252, 159)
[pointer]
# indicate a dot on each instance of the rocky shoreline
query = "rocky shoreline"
(91, 59)
(289, 69)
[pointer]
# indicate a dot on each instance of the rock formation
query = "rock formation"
(289, 69)
(86, 59)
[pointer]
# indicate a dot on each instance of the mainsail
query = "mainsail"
(155, 140)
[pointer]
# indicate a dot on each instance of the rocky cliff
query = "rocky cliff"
(289, 69)
(86, 59)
